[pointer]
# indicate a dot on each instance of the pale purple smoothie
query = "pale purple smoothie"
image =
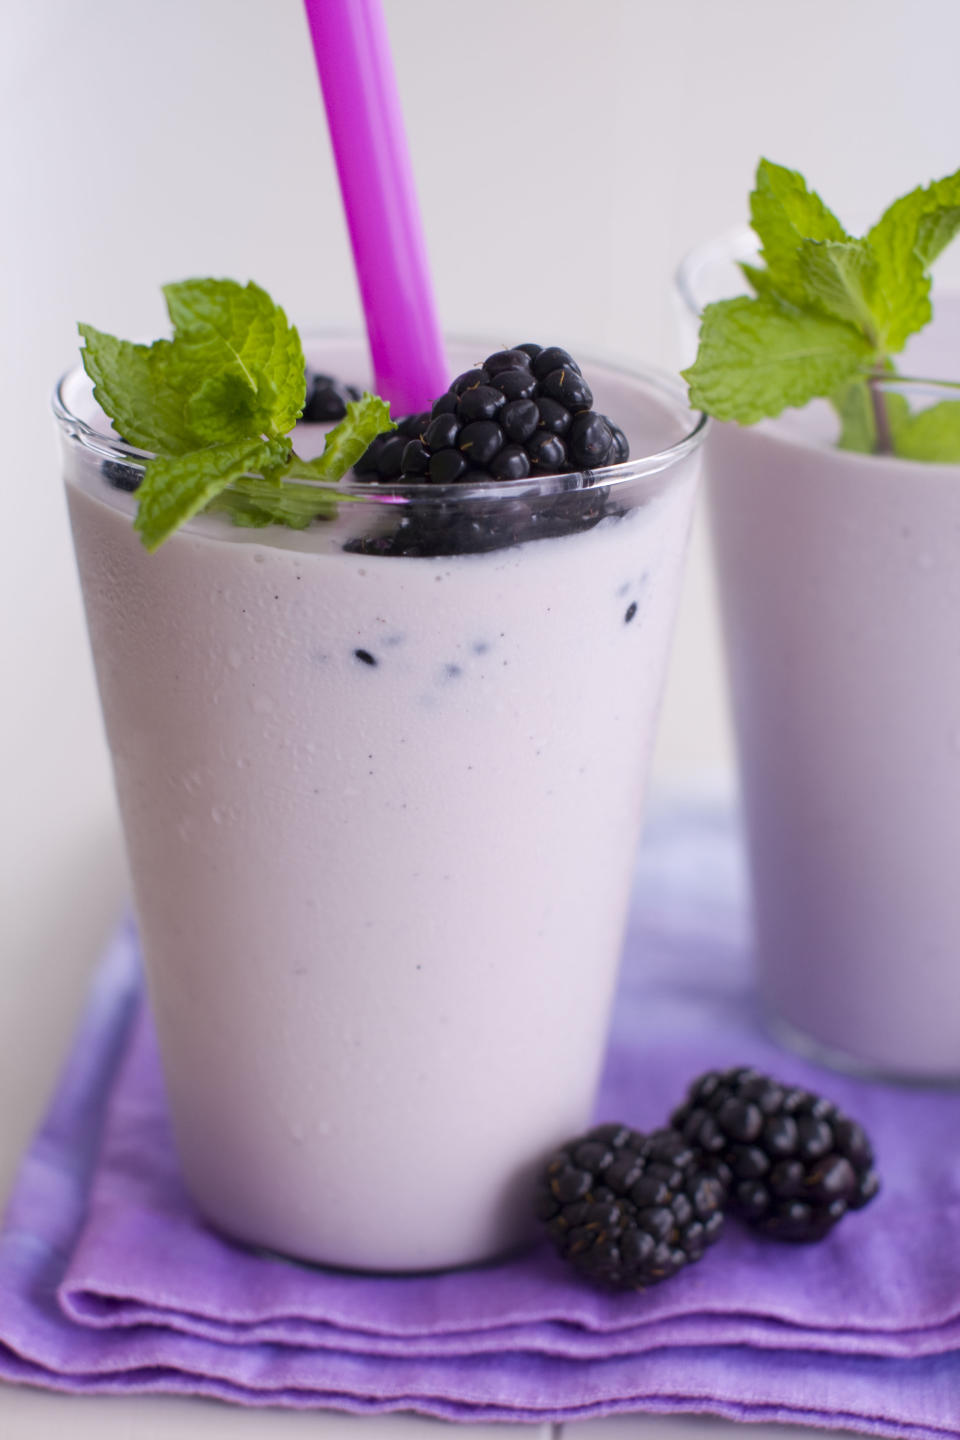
(839, 582)
(840, 591)
(381, 815)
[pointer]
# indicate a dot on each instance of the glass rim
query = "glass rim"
(741, 243)
(107, 446)
(737, 242)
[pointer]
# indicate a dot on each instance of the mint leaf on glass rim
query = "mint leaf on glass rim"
(858, 423)
(254, 501)
(828, 313)
(130, 384)
(176, 487)
(757, 357)
(932, 434)
(365, 419)
(215, 406)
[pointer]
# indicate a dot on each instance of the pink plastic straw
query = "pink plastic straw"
(376, 181)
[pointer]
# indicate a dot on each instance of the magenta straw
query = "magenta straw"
(376, 181)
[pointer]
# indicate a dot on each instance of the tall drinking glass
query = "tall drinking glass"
(381, 785)
(839, 581)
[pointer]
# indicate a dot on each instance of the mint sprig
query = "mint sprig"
(215, 406)
(828, 312)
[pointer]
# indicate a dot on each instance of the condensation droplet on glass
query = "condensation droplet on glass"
(234, 657)
(262, 705)
(925, 560)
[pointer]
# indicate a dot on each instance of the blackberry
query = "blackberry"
(512, 463)
(552, 358)
(538, 403)
(441, 433)
(568, 388)
(519, 419)
(553, 415)
(469, 380)
(446, 404)
(446, 466)
(629, 1210)
(794, 1164)
(515, 384)
(479, 441)
(480, 402)
(506, 360)
(390, 457)
(327, 399)
(524, 411)
(413, 426)
(590, 441)
(621, 445)
(120, 476)
(547, 452)
(416, 458)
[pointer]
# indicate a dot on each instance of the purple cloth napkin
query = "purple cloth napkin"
(110, 1282)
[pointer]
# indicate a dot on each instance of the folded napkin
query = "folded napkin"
(110, 1282)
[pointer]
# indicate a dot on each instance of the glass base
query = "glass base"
(809, 1048)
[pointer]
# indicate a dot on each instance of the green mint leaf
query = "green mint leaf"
(902, 300)
(856, 405)
(840, 277)
(830, 311)
(925, 219)
(907, 238)
(784, 213)
(226, 329)
(365, 419)
(858, 426)
(758, 357)
(241, 510)
(226, 407)
(253, 501)
(215, 405)
(932, 434)
(936, 230)
(256, 502)
(759, 280)
(175, 488)
(131, 384)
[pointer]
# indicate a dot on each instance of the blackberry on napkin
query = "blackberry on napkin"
(627, 1209)
(793, 1162)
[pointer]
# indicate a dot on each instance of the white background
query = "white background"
(567, 152)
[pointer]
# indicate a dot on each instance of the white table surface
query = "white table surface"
(37, 1415)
